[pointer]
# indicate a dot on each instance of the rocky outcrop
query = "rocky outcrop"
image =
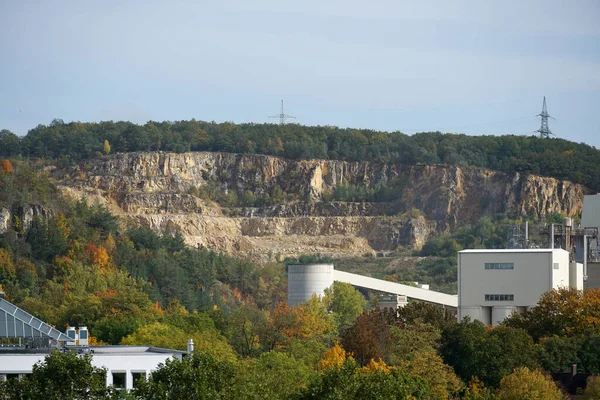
(5, 220)
(158, 189)
(21, 217)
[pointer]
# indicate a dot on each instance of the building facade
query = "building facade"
(493, 284)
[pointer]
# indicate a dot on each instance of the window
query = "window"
(138, 377)
(119, 380)
(555, 265)
(499, 297)
(499, 266)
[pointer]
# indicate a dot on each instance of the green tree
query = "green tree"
(345, 303)
(273, 375)
(473, 350)
(196, 377)
(246, 323)
(61, 375)
(165, 336)
(350, 382)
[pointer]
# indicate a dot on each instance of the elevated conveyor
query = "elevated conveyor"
(396, 288)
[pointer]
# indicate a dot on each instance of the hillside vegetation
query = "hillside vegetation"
(75, 141)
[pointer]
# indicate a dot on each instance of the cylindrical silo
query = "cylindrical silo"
(500, 313)
(306, 280)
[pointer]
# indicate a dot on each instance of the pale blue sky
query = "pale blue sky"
(477, 67)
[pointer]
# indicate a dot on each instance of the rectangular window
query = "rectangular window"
(555, 265)
(499, 297)
(119, 380)
(138, 377)
(499, 266)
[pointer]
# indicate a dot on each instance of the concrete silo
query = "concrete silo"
(306, 280)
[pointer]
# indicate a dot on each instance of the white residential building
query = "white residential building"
(492, 284)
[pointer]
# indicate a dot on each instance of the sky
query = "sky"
(463, 66)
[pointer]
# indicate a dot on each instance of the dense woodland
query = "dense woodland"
(78, 265)
(75, 141)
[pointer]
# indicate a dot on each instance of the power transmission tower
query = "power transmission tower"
(544, 131)
(282, 117)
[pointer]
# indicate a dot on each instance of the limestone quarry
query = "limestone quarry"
(156, 189)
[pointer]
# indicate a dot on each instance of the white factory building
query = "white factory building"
(26, 340)
(493, 284)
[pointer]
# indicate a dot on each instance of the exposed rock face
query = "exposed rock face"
(5, 220)
(25, 216)
(153, 188)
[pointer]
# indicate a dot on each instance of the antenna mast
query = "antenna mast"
(544, 131)
(282, 116)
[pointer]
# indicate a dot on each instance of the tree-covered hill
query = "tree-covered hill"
(74, 141)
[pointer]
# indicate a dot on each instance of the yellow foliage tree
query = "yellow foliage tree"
(334, 357)
(524, 384)
(430, 366)
(375, 366)
(592, 389)
(314, 319)
(106, 147)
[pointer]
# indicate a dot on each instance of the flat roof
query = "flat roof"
(510, 250)
(132, 350)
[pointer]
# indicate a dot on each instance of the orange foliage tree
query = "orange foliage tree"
(6, 167)
(97, 255)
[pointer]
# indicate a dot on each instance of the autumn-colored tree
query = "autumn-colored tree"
(283, 324)
(376, 366)
(6, 167)
(562, 312)
(314, 320)
(442, 380)
(592, 389)
(106, 147)
(334, 357)
(369, 337)
(7, 267)
(97, 255)
(476, 390)
(524, 384)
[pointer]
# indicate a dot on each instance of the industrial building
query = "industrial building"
(26, 340)
(590, 218)
(493, 284)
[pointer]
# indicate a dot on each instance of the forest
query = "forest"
(77, 264)
(74, 141)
